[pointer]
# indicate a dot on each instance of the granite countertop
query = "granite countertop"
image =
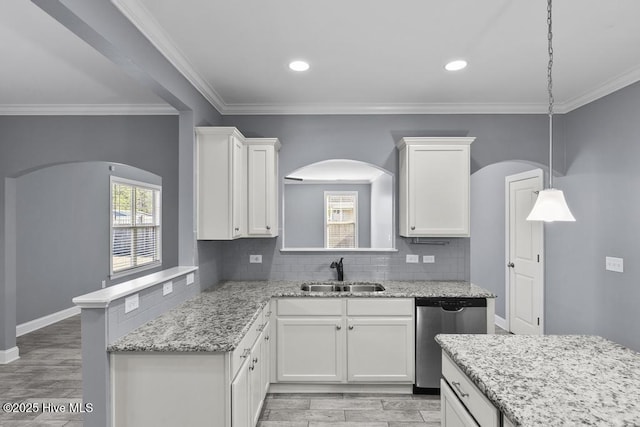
(552, 380)
(217, 320)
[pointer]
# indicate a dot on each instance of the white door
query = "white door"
(240, 397)
(238, 189)
(261, 189)
(380, 349)
(525, 268)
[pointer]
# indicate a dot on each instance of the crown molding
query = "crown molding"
(87, 110)
(440, 108)
(607, 88)
(144, 21)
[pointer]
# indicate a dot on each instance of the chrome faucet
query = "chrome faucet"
(339, 269)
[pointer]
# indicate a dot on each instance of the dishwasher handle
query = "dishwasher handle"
(452, 309)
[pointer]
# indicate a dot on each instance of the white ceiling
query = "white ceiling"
(366, 56)
(46, 69)
(388, 56)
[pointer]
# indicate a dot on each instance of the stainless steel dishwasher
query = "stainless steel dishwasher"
(442, 316)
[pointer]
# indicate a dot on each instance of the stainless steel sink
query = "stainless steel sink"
(346, 287)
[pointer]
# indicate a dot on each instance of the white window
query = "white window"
(341, 219)
(135, 226)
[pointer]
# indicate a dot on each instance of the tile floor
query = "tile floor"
(49, 370)
(350, 410)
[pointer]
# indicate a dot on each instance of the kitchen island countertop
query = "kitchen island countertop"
(552, 380)
(216, 321)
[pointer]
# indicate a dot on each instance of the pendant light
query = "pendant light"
(550, 205)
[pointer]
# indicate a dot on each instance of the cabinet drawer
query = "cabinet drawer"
(453, 412)
(310, 306)
(380, 307)
(243, 350)
(478, 405)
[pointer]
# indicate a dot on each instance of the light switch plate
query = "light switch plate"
(413, 259)
(255, 259)
(191, 278)
(429, 259)
(614, 264)
(167, 288)
(131, 303)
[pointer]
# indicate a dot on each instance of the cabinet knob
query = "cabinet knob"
(268, 227)
(511, 265)
(252, 367)
(266, 337)
(237, 229)
(255, 360)
(338, 327)
(246, 353)
(350, 327)
(413, 227)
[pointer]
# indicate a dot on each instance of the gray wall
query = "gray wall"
(29, 143)
(600, 188)
(372, 138)
(304, 213)
(488, 227)
(382, 230)
(62, 223)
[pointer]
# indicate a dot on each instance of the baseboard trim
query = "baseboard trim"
(50, 319)
(501, 322)
(341, 388)
(8, 356)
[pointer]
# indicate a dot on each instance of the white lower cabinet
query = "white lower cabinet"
(354, 340)
(310, 349)
(194, 389)
(462, 403)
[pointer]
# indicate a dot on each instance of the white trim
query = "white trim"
(87, 110)
(8, 356)
(501, 322)
(101, 298)
(50, 319)
(356, 211)
(534, 173)
(144, 21)
(340, 388)
(338, 250)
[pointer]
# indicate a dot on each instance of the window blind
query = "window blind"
(135, 225)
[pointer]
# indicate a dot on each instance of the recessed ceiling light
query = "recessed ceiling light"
(456, 65)
(299, 66)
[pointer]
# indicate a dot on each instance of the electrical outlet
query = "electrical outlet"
(255, 259)
(167, 288)
(429, 259)
(413, 259)
(614, 264)
(191, 278)
(131, 303)
(104, 284)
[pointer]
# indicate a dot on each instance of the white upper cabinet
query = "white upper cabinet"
(434, 186)
(262, 207)
(221, 184)
(237, 191)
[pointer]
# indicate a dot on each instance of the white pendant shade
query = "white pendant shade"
(550, 206)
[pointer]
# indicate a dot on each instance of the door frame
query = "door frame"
(539, 174)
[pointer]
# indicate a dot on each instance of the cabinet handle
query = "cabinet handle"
(511, 265)
(457, 386)
(255, 360)
(350, 327)
(266, 337)
(413, 227)
(252, 367)
(237, 229)
(338, 327)
(268, 227)
(246, 353)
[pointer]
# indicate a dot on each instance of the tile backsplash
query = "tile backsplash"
(451, 262)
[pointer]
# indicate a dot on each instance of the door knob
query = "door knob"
(511, 265)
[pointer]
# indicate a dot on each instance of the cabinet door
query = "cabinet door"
(238, 188)
(438, 190)
(453, 413)
(262, 191)
(310, 349)
(240, 397)
(380, 349)
(256, 384)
